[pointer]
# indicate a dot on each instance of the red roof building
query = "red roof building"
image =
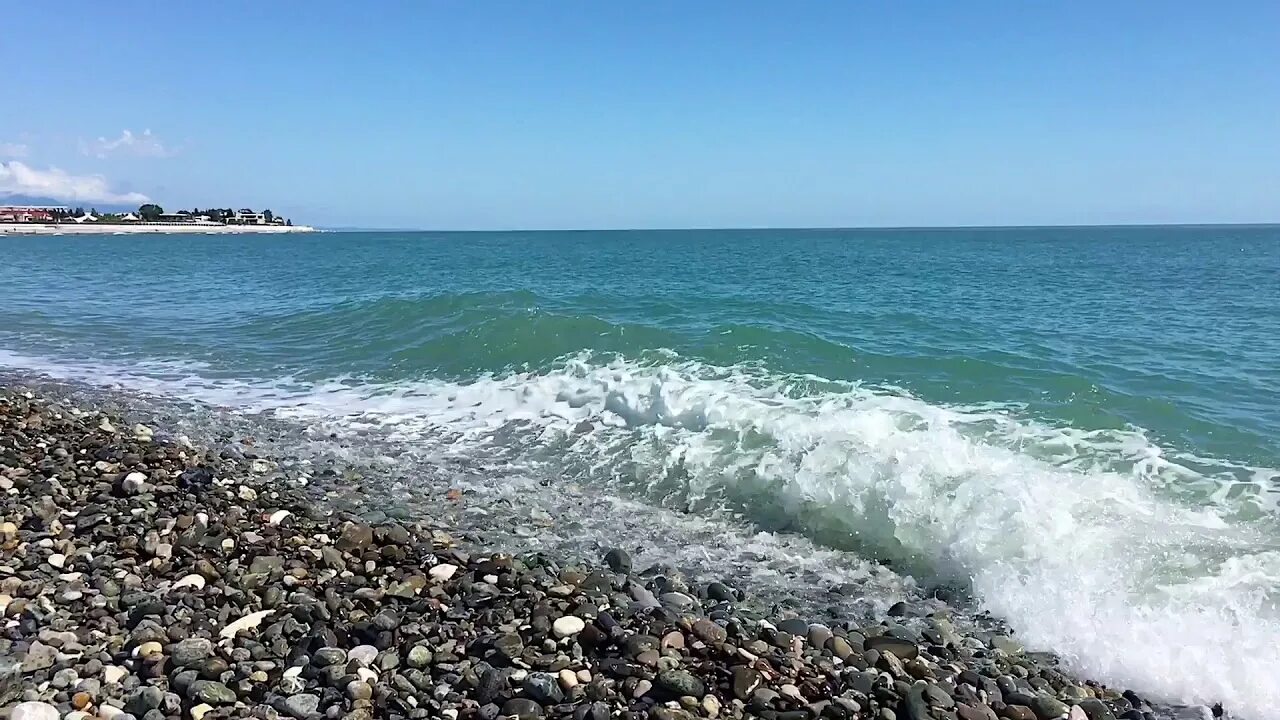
(19, 213)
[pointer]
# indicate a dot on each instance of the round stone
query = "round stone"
(567, 626)
(362, 654)
(34, 711)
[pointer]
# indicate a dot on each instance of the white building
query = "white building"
(245, 216)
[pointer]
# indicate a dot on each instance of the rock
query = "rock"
(818, 635)
(302, 705)
(1096, 710)
(34, 711)
(543, 688)
(190, 651)
(266, 564)
(680, 683)
(359, 690)
(567, 626)
(710, 706)
(150, 649)
(443, 572)
(57, 560)
(144, 699)
(794, 626)
(917, 708)
(1047, 708)
(211, 692)
(362, 654)
(1017, 712)
(509, 647)
(39, 656)
(709, 631)
(903, 649)
(792, 693)
(745, 681)
(568, 679)
(190, 581)
(354, 538)
(839, 647)
(135, 483)
(326, 656)
(1006, 644)
(248, 622)
(112, 675)
(419, 656)
(618, 561)
(522, 709)
(199, 711)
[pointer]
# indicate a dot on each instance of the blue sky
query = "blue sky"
(492, 115)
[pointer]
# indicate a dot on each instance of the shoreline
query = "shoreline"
(148, 229)
(147, 576)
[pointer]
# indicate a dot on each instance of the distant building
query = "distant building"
(128, 217)
(30, 213)
(245, 216)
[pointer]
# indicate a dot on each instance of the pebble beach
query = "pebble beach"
(145, 577)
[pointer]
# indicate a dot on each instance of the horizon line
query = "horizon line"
(354, 228)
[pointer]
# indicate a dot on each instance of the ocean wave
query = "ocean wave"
(1140, 565)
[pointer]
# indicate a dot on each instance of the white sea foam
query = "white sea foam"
(1085, 541)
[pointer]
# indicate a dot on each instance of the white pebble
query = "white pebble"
(248, 622)
(58, 560)
(278, 516)
(363, 654)
(112, 675)
(200, 711)
(442, 572)
(247, 493)
(34, 711)
(192, 580)
(567, 626)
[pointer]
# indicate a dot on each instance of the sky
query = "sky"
(448, 114)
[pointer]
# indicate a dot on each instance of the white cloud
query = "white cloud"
(143, 144)
(13, 150)
(18, 179)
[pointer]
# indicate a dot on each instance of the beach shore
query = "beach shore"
(147, 577)
(147, 229)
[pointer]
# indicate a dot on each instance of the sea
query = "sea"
(1071, 433)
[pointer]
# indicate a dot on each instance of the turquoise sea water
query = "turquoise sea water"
(1073, 429)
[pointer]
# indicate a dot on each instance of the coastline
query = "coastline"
(149, 229)
(152, 577)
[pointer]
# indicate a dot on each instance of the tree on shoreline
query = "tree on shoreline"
(150, 212)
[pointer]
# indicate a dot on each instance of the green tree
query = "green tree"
(150, 211)
(268, 215)
(78, 212)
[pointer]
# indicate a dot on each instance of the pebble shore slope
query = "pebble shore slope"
(144, 578)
